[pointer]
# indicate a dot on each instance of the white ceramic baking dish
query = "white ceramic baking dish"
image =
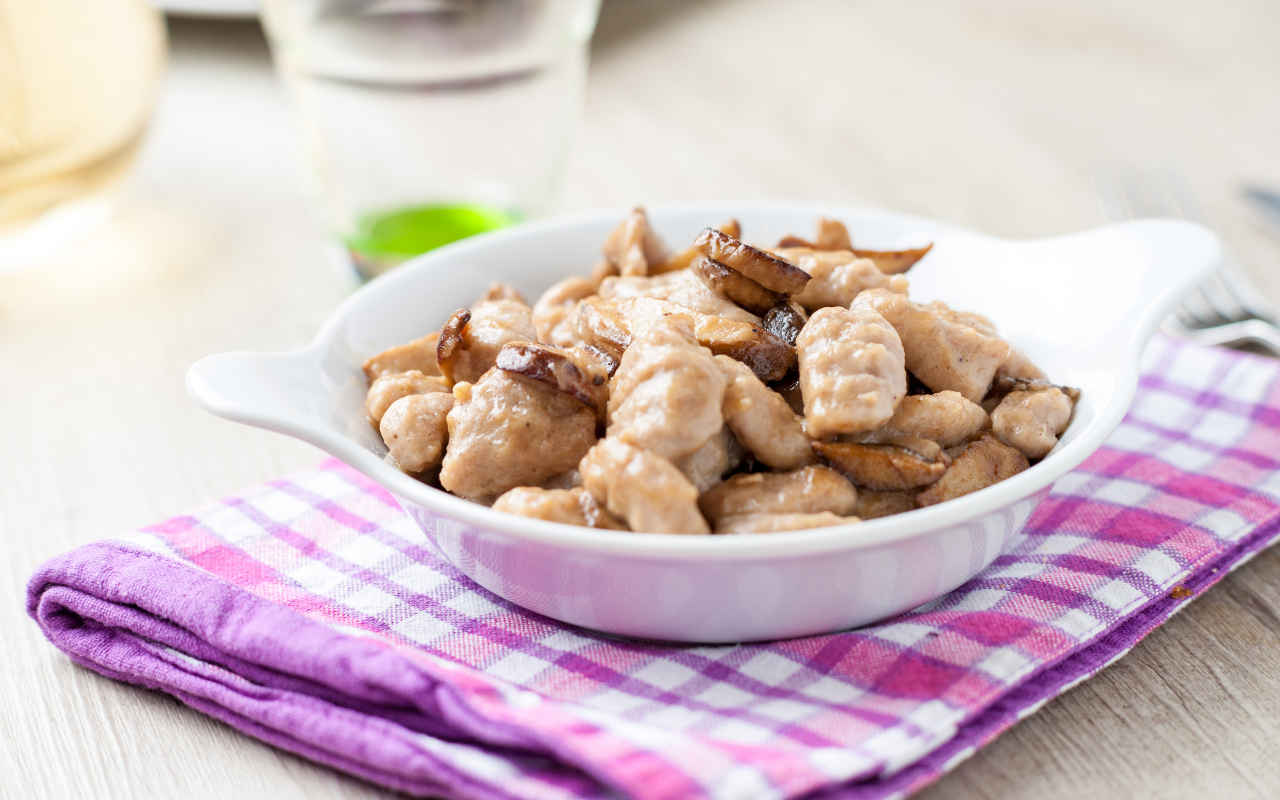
(1082, 306)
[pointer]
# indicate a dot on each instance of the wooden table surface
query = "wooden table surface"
(1011, 117)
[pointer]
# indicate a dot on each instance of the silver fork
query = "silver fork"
(1225, 309)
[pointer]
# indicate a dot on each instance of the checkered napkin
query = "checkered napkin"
(312, 614)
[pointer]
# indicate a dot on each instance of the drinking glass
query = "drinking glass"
(77, 84)
(425, 121)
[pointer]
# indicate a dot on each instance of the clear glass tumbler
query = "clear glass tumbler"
(77, 84)
(429, 120)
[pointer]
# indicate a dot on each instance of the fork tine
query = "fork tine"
(1186, 319)
(1224, 297)
(1197, 307)
(1245, 294)
(1217, 290)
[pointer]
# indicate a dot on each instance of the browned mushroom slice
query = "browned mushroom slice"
(760, 266)
(600, 326)
(605, 362)
(873, 505)
(420, 354)
(789, 387)
(980, 464)
(684, 258)
(769, 357)
(907, 464)
(785, 321)
(808, 490)
(894, 262)
(450, 342)
(633, 247)
(833, 235)
(554, 367)
(1004, 385)
(735, 286)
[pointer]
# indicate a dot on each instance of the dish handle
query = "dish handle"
(284, 392)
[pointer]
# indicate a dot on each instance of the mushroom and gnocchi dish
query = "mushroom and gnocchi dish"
(725, 388)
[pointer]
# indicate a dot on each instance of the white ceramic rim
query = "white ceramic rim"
(790, 544)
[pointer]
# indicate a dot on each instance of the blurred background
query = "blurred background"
(168, 191)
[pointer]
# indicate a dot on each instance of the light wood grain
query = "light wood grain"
(1002, 115)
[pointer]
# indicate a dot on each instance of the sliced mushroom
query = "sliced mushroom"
(420, 355)
(557, 369)
(682, 288)
(769, 357)
(836, 277)
(873, 504)
(894, 262)
(785, 321)
(1002, 385)
(763, 267)
(735, 286)
(450, 343)
(684, 258)
(833, 235)
(980, 464)
(600, 327)
(808, 490)
(906, 464)
(789, 387)
(594, 355)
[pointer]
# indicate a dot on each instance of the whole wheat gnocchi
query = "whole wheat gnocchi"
(725, 388)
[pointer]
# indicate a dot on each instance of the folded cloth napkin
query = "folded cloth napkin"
(312, 614)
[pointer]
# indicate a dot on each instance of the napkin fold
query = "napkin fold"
(311, 613)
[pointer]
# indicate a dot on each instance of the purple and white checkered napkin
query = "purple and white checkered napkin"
(312, 614)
